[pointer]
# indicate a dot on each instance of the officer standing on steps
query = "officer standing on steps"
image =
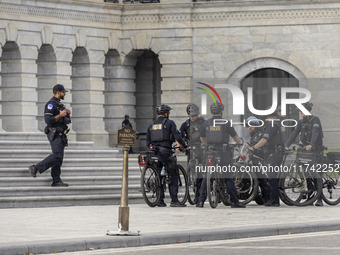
(310, 130)
(215, 134)
(56, 117)
(161, 135)
(272, 145)
(190, 131)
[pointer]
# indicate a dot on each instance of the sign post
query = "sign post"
(126, 138)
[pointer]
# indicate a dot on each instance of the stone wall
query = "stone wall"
(93, 47)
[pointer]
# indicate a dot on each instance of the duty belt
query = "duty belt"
(279, 148)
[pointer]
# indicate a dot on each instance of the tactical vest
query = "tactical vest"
(306, 131)
(159, 132)
(193, 134)
(216, 135)
(255, 138)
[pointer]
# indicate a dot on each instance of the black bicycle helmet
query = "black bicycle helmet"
(216, 108)
(193, 109)
(308, 106)
(163, 108)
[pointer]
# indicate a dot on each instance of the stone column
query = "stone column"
(64, 72)
(176, 75)
(88, 99)
(120, 97)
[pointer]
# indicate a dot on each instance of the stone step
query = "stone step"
(12, 182)
(73, 171)
(69, 153)
(23, 136)
(67, 200)
(63, 191)
(67, 162)
(31, 144)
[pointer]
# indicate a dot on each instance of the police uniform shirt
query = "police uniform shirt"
(52, 108)
(272, 133)
(227, 129)
(171, 127)
(255, 137)
(188, 128)
(126, 123)
(317, 134)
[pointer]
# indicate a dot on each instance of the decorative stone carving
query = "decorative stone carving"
(47, 35)
(11, 32)
(81, 38)
(141, 41)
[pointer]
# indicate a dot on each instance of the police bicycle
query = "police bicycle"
(193, 175)
(216, 185)
(246, 180)
(152, 182)
(298, 184)
(330, 172)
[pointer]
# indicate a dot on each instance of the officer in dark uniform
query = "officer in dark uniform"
(218, 136)
(126, 121)
(311, 134)
(56, 117)
(190, 131)
(161, 135)
(255, 131)
(273, 148)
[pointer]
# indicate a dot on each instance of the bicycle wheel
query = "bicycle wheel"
(212, 191)
(301, 188)
(282, 193)
(247, 186)
(192, 188)
(331, 187)
(150, 185)
(182, 185)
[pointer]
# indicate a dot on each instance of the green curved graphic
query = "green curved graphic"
(207, 91)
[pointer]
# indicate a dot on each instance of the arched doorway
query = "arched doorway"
(11, 84)
(262, 81)
(148, 89)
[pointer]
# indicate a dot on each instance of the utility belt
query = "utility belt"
(162, 148)
(277, 148)
(53, 132)
(221, 147)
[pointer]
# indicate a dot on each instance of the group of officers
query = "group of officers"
(201, 133)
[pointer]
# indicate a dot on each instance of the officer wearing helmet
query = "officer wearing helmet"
(311, 135)
(272, 145)
(254, 127)
(213, 134)
(190, 131)
(160, 135)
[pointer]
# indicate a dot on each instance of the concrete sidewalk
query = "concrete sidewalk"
(57, 229)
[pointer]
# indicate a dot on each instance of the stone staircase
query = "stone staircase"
(94, 174)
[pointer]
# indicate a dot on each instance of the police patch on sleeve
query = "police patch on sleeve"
(50, 106)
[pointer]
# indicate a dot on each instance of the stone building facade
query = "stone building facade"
(121, 58)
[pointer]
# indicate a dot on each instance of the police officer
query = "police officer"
(273, 148)
(213, 133)
(56, 117)
(190, 131)
(310, 130)
(160, 135)
(255, 131)
(126, 121)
